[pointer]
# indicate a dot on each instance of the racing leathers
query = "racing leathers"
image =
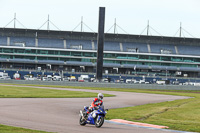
(95, 102)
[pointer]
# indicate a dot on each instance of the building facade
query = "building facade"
(77, 51)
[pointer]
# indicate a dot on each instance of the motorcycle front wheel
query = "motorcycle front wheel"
(99, 123)
(82, 122)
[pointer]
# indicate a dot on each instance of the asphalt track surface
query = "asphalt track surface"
(62, 114)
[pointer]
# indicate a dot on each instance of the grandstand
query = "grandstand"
(123, 54)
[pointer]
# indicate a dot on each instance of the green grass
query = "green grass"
(29, 92)
(178, 115)
(154, 91)
(181, 114)
(9, 129)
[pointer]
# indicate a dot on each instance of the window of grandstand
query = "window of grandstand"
(6, 50)
(165, 51)
(19, 44)
(19, 50)
(188, 59)
(42, 52)
(154, 57)
(19, 57)
(88, 54)
(72, 59)
(30, 51)
(134, 50)
(42, 58)
(76, 54)
(134, 57)
(145, 57)
(77, 47)
(165, 58)
(64, 53)
(53, 58)
(6, 56)
(107, 55)
(177, 59)
(196, 60)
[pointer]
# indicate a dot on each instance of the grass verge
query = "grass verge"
(178, 115)
(9, 129)
(28, 92)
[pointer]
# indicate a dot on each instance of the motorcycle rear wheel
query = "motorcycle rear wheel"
(99, 123)
(82, 122)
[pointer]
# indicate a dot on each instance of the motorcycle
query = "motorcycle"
(96, 117)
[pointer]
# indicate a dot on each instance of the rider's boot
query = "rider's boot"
(85, 115)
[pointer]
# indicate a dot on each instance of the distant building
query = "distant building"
(77, 51)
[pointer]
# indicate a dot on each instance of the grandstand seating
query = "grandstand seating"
(142, 48)
(150, 55)
(3, 41)
(189, 50)
(108, 45)
(111, 46)
(85, 44)
(50, 43)
(28, 41)
(156, 48)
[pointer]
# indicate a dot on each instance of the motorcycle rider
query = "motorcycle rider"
(96, 102)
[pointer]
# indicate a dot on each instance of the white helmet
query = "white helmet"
(100, 96)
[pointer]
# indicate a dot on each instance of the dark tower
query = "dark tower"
(100, 42)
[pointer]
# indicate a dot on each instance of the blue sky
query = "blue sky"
(131, 15)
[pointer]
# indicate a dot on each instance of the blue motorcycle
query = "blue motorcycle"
(96, 117)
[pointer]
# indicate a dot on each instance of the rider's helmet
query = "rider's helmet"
(100, 96)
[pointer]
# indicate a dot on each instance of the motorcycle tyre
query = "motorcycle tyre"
(101, 122)
(82, 122)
